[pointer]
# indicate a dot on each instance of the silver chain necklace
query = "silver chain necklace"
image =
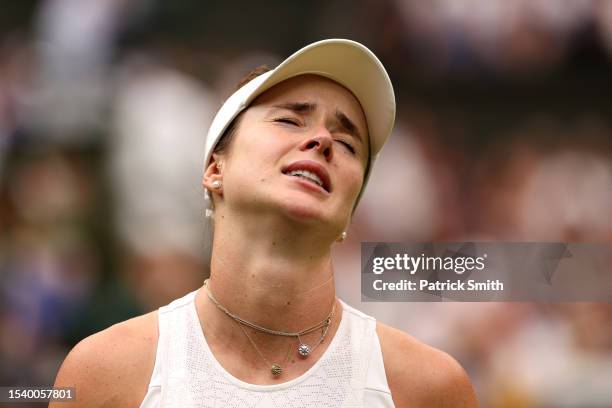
(275, 368)
(304, 350)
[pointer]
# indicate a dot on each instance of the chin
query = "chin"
(304, 212)
(307, 211)
(305, 208)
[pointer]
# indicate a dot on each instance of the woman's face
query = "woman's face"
(301, 148)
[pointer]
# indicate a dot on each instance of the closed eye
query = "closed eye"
(348, 146)
(288, 121)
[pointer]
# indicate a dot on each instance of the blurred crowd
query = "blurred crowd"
(503, 133)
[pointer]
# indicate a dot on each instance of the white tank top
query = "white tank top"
(350, 373)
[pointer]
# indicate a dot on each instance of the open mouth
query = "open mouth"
(305, 174)
(311, 172)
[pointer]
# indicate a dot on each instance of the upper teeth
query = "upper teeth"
(307, 174)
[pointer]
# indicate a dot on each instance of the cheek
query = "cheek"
(353, 181)
(258, 156)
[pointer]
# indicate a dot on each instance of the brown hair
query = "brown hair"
(226, 139)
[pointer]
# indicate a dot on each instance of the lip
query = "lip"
(313, 167)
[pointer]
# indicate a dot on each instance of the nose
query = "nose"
(321, 143)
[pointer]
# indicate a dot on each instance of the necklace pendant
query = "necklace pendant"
(276, 370)
(304, 350)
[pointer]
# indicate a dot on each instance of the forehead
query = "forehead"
(325, 92)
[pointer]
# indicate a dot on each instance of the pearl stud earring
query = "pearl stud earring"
(216, 184)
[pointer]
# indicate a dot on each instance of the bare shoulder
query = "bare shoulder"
(112, 368)
(420, 375)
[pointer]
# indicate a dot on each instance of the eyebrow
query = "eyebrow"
(298, 107)
(308, 107)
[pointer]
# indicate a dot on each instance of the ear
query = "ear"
(212, 174)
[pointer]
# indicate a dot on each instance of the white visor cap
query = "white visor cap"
(346, 62)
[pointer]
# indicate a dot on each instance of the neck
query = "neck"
(279, 276)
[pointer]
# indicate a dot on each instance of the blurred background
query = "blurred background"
(503, 133)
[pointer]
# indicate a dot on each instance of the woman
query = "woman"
(287, 157)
